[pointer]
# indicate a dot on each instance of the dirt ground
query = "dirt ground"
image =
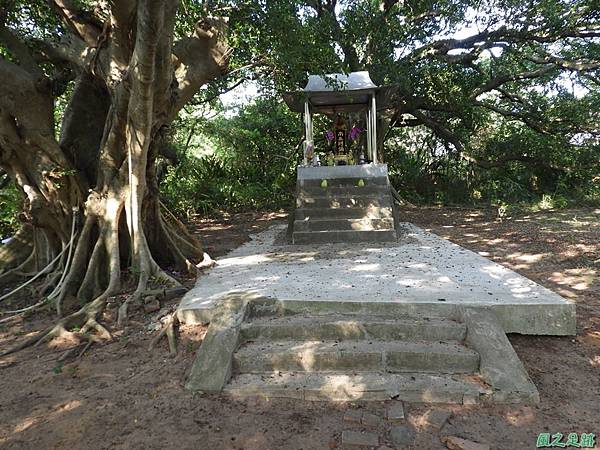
(121, 395)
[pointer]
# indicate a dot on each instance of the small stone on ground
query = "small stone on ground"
(151, 304)
(395, 412)
(437, 418)
(353, 416)
(402, 436)
(358, 439)
(371, 420)
(456, 443)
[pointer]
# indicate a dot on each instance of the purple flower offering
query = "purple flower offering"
(354, 133)
(329, 135)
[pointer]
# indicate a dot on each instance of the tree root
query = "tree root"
(206, 263)
(72, 351)
(163, 294)
(19, 312)
(85, 318)
(169, 331)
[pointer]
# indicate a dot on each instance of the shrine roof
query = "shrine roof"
(338, 92)
(340, 82)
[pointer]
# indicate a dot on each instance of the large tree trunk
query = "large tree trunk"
(130, 85)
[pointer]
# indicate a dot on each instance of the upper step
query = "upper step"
(373, 212)
(408, 387)
(348, 182)
(358, 356)
(340, 327)
(348, 191)
(343, 201)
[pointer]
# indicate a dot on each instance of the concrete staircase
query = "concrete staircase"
(355, 205)
(351, 357)
(348, 351)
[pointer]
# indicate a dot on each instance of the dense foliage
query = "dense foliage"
(10, 205)
(496, 101)
(234, 162)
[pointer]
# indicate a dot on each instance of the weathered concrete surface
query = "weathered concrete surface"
(350, 171)
(353, 416)
(344, 202)
(356, 439)
(403, 436)
(456, 443)
(213, 363)
(409, 387)
(500, 366)
(331, 186)
(395, 412)
(364, 355)
(419, 273)
(372, 212)
(436, 418)
(343, 236)
(371, 420)
(359, 224)
(348, 327)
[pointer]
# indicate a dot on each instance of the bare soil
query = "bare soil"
(121, 395)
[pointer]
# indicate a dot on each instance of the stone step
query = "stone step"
(368, 386)
(359, 356)
(364, 224)
(348, 191)
(340, 327)
(342, 201)
(373, 212)
(350, 236)
(346, 182)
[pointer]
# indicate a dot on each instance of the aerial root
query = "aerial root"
(20, 271)
(169, 330)
(51, 281)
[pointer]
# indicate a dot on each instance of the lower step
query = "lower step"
(362, 224)
(310, 237)
(361, 355)
(410, 387)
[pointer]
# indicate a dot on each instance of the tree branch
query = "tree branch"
(505, 78)
(200, 58)
(83, 23)
(439, 129)
(69, 50)
(533, 124)
(580, 65)
(20, 51)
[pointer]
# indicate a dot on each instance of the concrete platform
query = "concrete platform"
(420, 273)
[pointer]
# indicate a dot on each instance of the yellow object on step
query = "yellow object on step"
(324, 184)
(361, 183)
